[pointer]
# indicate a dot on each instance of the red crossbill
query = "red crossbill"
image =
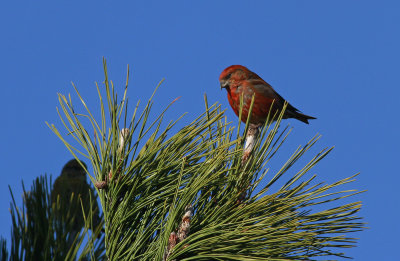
(238, 81)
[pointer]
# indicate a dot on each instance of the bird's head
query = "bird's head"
(73, 169)
(231, 74)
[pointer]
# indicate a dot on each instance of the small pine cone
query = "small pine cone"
(101, 184)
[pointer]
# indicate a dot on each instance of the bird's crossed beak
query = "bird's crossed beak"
(224, 84)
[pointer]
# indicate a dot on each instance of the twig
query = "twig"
(123, 137)
(183, 232)
(251, 138)
(172, 241)
(184, 228)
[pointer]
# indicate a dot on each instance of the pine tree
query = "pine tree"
(43, 230)
(188, 195)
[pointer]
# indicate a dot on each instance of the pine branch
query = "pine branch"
(3, 249)
(239, 211)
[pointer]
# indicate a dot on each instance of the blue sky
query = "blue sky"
(335, 60)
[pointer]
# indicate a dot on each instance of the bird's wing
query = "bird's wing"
(264, 88)
(289, 107)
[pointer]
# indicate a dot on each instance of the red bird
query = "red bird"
(238, 81)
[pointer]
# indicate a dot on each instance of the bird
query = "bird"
(72, 180)
(240, 81)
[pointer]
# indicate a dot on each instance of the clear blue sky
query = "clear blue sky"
(335, 60)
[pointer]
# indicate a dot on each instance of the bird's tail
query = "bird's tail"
(302, 117)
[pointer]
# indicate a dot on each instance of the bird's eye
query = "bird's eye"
(228, 76)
